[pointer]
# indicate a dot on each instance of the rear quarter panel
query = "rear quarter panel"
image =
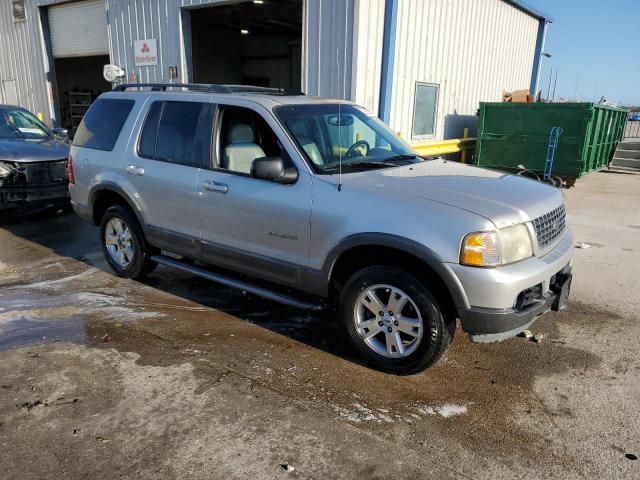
(94, 169)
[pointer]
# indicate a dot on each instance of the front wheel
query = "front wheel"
(124, 245)
(393, 320)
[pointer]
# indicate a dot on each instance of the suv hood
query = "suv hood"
(503, 198)
(30, 151)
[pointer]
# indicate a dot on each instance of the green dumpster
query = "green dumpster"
(511, 135)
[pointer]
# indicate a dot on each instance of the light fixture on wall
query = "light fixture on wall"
(244, 31)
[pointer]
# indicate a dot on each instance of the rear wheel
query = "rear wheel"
(393, 320)
(123, 243)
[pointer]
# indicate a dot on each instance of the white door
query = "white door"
(79, 29)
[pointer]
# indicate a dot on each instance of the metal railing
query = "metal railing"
(446, 147)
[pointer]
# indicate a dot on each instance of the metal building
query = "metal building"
(421, 65)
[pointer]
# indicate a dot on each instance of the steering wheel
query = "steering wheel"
(352, 149)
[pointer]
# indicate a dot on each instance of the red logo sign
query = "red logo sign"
(145, 48)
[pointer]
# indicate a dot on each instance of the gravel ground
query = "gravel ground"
(177, 377)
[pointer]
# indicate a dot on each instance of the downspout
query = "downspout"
(388, 59)
(537, 58)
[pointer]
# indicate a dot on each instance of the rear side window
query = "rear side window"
(102, 124)
(176, 132)
(147, 145)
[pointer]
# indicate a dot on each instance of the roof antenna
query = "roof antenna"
(339, 129)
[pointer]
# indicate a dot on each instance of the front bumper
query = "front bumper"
(23, 197)
(492, 311)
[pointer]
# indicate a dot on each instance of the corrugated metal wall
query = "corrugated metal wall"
(328, 29)
(474, 50)
(367, 57)
(22, 57)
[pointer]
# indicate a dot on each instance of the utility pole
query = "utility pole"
(553, 97)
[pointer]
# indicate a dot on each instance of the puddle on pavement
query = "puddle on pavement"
(28, 331)
(474, 393)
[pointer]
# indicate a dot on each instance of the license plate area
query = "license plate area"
(561, 286)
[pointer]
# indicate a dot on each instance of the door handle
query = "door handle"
(133, 170)
(215, 186)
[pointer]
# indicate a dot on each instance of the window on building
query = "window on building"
(424, 110)
(172, 133)
(101, 125)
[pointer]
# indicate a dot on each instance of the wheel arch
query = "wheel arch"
(102, 196)
(361, 250)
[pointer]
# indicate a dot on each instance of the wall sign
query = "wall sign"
(146, 52)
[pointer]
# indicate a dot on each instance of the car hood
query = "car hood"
(30, 151)
(505, 199)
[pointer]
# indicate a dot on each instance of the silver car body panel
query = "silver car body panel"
(293, 234)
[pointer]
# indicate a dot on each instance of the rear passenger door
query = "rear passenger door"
(173, 142)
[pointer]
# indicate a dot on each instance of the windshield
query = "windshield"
(19, 123)
(329, 134)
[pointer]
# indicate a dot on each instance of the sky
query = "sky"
(595, 48)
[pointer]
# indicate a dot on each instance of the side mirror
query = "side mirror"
(61, 133)
(272, 169)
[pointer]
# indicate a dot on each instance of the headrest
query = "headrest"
(240, 133)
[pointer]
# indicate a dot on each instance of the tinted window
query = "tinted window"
(177, 141)
(101, 125)
(147, 145)
(424, 114)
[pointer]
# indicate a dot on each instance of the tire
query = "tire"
(419, 349)
(135, 261)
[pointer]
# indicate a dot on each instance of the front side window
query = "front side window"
(332, 134)
(424, 110)
(174, 132)
(243, 136)
(101, 125)
(19, 123)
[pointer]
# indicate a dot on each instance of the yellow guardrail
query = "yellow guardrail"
(454, 145)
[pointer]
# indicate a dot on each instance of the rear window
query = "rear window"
(101, 125)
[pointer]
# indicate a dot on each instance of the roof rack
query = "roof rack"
(267, 90)
(208, 87)
(161, 87)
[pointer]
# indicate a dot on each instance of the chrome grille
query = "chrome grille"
(550, 226)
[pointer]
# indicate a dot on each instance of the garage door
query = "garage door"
(79, 29)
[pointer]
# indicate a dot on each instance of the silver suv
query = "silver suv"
(314, 203)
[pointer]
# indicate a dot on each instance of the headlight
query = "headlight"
(481, 249)
(516, 243)
(490, 249)
(5, 170)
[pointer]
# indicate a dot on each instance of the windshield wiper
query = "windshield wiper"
(360, 164)
(403, 156)
(394, 161)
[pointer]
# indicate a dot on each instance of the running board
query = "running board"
(239, 284)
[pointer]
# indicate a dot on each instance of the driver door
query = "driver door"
(257, 227)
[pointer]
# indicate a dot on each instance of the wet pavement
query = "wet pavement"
(177, 377)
